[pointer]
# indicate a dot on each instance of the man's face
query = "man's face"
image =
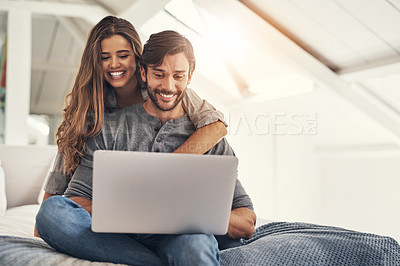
(166, 84)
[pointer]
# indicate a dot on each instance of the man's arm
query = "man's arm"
(241, 223)
(203, 139)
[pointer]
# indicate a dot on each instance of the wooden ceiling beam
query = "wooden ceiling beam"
(91, 13)
(379, 69)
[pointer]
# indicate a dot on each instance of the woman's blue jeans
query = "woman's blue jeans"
(66, 227)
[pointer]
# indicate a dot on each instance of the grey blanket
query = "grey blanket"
(272, 244)
(308, 244)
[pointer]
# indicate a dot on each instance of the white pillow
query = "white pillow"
(3, 198)
(41, 193)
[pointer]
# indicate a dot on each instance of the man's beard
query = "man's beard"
(153, 98)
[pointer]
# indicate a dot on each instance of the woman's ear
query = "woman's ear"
(143, 74)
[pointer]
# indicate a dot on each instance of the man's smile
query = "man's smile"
(166, 97)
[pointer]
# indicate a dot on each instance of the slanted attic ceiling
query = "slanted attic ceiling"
(350, 48)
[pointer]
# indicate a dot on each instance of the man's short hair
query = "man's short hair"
(163, 43)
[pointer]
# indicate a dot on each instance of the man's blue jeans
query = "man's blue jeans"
(66, 227)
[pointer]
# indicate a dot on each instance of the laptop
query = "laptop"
(162, 193)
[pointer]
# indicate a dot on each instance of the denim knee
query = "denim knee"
(56, 215)
(48, 210)
(199, 249)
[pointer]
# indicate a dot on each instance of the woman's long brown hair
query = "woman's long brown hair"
(84, 112)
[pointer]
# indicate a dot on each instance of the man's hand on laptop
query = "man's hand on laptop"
(241, 223)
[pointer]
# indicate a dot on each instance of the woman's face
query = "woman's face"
(118, 60)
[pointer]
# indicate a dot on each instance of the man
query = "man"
(158, 125)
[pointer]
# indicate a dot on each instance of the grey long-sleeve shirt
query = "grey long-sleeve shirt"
(133, 129)
(200, 112)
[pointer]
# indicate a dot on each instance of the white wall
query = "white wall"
(290, 178)
(274, 142)
(299, 189)
(361, 191)
(255, 151)
(280, 173)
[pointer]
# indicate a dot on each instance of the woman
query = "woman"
(107, 82)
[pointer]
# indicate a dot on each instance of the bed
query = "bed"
(273, 243)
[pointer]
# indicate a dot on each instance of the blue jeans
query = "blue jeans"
(66, 227)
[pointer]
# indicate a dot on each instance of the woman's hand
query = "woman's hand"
(35, 232)
(85, 203)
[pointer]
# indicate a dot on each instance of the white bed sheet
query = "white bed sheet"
(19, 221)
